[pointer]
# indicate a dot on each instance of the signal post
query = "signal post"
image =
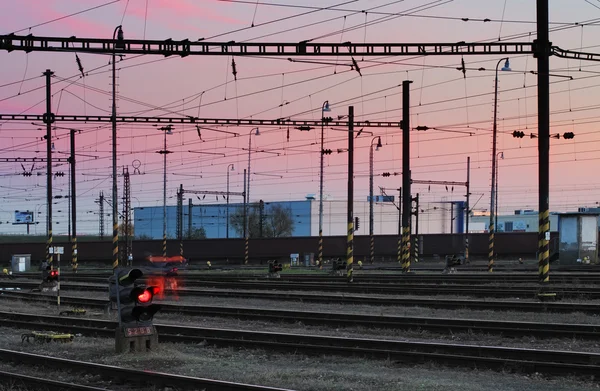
(135, 311)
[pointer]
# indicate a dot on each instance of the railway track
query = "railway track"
(18, 380)
(498, 358)
(498, 291)
(359, 277)
(519, 306)
(128, 375)
(340, 319)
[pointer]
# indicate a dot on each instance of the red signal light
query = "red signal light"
(145, 296)
(54, 273)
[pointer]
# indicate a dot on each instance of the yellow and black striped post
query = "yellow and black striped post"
(74, 263)
(400, 239)
(416, 248)
(246, 252)
(350, 251)
(181, 247)
(372, 249)
(405, 249)
(115, 245)
(320, 249)
(491, 248)
(48, 245)
(543, 244)
(164, 245)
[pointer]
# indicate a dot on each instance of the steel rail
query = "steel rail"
(524, 360)
(131, 375)
(357, 288)
(518, 306)
(367, 278)
(44, 383)
(340, 319)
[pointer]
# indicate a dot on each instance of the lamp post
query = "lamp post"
(247, 190)
(227, 208)
(324, 108)
(371, 223)
(115, 217)
(499, 155)
(167, 130)
(492, 229)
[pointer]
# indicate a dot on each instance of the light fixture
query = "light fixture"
(506, 66)
(326, 106)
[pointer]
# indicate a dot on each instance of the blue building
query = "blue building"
(148, 221)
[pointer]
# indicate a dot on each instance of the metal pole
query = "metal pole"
(321, 185)
(164, 245)
(350, 201)
(245, 209)
(48, 119)
(492, 228)
(496, 200)
(227, 208)
(452, 220)
(372, 246)
(180, 227)
(74, 263)
(467, 210)
(407, 200)
(189, 218)
(115, 217)
(416, 241)
(58, 284)
(542, 46)
(400, 225)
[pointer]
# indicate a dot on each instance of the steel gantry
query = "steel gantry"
(541, 49)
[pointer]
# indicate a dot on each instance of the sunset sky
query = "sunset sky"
(269, 88)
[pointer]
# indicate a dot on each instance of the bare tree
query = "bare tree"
(276, 221)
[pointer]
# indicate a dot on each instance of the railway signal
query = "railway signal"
(135, 311)
(274, 269)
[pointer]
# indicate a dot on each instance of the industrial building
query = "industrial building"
(439, 217)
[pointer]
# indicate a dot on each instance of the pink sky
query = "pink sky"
(440, 97)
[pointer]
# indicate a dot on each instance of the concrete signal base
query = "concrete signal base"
(138, 343)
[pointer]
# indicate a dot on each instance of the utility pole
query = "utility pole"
(101, 214)
(127, 250)
(261, 216)
(180, 218)
(167, 130)
(73, 200)
(542, 52)
(246, 218)
(406, 176)
(468, 210)
(350, 238)
(115, 218)
(400, 237)
(371, 217)
(324, 108)
(48, 120)
(189, 235)
(227, 197)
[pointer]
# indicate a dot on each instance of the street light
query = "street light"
(501, 156)
(227, 208)
(506, 67)
(167, 130)
(115, 217)
(371, 223)
(256, 133)
(324, 108)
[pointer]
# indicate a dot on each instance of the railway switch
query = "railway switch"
(135, 311)
(46, 337)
